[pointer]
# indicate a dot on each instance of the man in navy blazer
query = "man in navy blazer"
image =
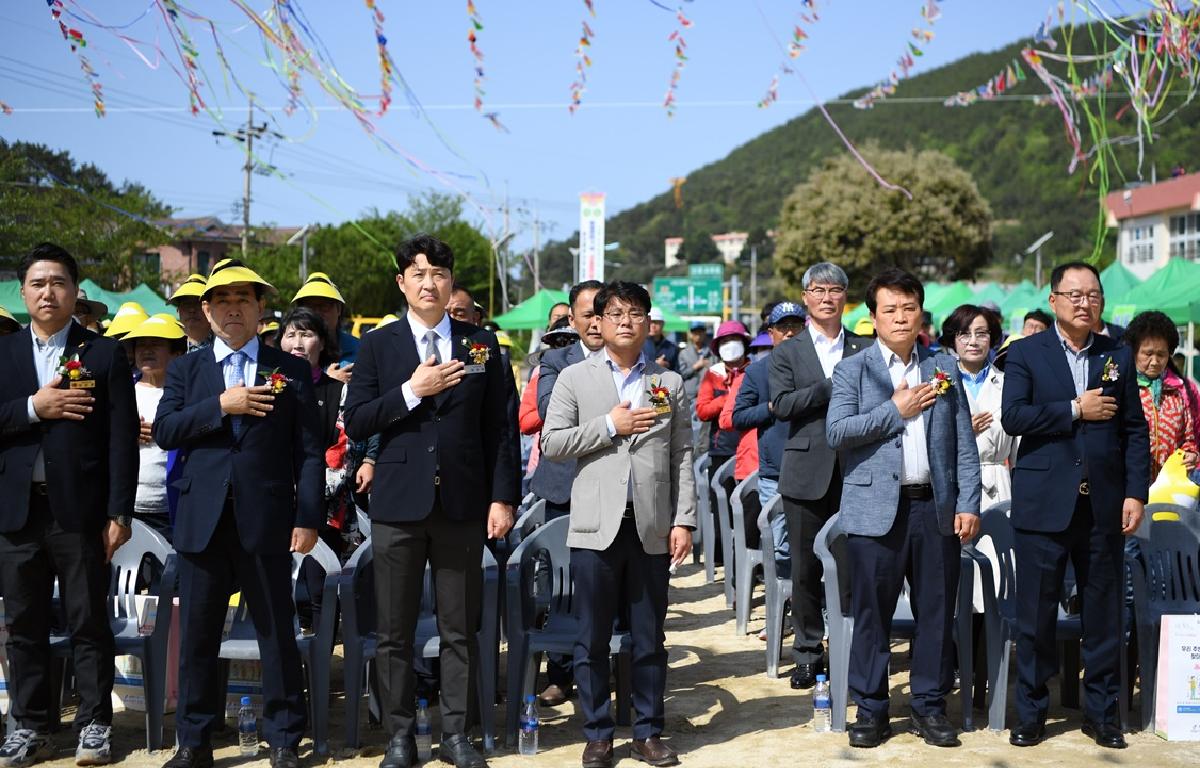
(68, 472)
(447, 477)
(910, 495)
(251, 492)
(1080, 482)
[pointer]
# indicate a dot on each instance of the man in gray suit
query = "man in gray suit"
(624, 419)
(810, 481)
(910, 495)
(552, 479)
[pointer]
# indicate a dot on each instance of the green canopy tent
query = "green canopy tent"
(990, 292)
(1170, 290)
(1117, 281)
(531, 313)
(10, 299)
(150, 301)
(948, 299)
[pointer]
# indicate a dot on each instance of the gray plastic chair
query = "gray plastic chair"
(706, 537)
(546, 623)
(530, 519)
(779, 590)
(829, 540)
(360, 642)
(364, 524)
(1166, 580)
(746, 557)
(723, 473)
(316, 649)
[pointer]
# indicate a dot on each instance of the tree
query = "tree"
(698, 248)
(842, 215)
(45, 195)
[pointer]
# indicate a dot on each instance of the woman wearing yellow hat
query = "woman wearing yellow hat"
(323, 297)
(129, 316)
(186, 301)
(152, 345)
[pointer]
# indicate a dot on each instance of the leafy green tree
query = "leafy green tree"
(698, 248)
(842, 215)
(46, 195)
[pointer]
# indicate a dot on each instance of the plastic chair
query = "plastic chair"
(364, 524)
(360, 641)
(1000, 614)
(723, 473)
(532, 518)
(829, 540)
(547, 623)
(1166, 580)
(746, 557)
(316, 649)
(706, 538)
(779, 590)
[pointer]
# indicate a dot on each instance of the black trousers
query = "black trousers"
(916, 550)
(454, 551)
(805, 520)
(29, 560)
(601, 578)
(206, 580)
(1099, 571)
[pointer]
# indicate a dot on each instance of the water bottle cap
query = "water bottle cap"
(245, 701)
(529, 699)
(821, 678)
(422, 703)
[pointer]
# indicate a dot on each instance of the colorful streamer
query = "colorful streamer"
(385, 60)
(77, 41)
(930, 13)
(473, 39)
(583, 60)
(5, 109)
(795, 48)
(680, 60)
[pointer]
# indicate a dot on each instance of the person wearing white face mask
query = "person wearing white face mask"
(730, 344)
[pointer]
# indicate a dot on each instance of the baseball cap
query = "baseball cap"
(786, 309)
(656, 315)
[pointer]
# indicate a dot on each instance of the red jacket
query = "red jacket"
(747, 447)
(710, 399)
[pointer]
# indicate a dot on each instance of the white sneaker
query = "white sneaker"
(95, 747)
(24, 747)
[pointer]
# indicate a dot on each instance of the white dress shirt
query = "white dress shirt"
(628, 388)
(829, 351)
(444, 348)
(221, 351)
(46, 355)
(914, 468)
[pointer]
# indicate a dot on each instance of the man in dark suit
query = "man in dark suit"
(552, 479)
(810, 481)
(910, 495)
(251, 492)
(68, 474)
(1080, 483)
(447, 477)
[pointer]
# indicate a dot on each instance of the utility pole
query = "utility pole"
(537, 278)
(754, 276)
(246, 134)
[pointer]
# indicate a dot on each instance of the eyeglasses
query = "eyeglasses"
(820, 292)
(636, 316)
(966, 336)
(1078, 297)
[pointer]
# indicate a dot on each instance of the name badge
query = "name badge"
(476, 368)
(83, 384)
(662, 409)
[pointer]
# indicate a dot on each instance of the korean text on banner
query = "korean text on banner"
(1177, 687)
(591, 236)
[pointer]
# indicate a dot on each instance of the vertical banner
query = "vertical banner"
(591, 236)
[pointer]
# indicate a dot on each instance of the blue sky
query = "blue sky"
(620, 142)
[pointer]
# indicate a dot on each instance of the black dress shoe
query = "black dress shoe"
(1105, 734)
(805, 675)
(284, 757)
(934, 729)
(401, 752)
(457, 749)
(191, 757)
(1027, 735)
(868, 732)
(598, 754)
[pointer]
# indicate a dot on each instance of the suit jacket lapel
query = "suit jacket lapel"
(1058, 360)
(926, 367)
(22, 354)
(806, 351)
(1099, 354)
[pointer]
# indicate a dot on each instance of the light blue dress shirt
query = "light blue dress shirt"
(46, 355)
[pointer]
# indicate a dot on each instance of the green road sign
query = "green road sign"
(689, 295)
(706, 271)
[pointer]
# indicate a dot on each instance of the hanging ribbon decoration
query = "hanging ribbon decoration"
(473, 39)
(583, 60)
(77, 41)
(795, 48)
(930, 12)
(385, 60)
(680, 60)
(5, 109)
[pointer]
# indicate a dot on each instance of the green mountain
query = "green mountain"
(1016, 151)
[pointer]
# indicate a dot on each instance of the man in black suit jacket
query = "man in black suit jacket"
(809, 479)
(447, 476)
(251, 492)
(1080, 481)
(68, 474)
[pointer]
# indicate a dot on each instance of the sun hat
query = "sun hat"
(319, 286)
(730, 328)
(230, 272)
(129, 316)
(192, 287)
(97, 309)
(160, 326)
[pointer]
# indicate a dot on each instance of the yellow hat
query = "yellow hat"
(232, 271)
(1009, 340)
(160, 326)
(270, 327)
(319, 286)
(8, 323)
(193, 288)
(864, 327)
(504, 339)
(129, 316)
(388, 318)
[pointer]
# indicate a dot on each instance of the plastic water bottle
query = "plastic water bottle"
(424, 732)
(247, 729)
(527, 741)
(822, 709)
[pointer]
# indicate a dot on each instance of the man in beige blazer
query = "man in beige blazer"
(626, 422)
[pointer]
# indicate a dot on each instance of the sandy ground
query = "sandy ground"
(723, 711)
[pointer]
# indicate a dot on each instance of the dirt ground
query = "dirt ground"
(721, 711)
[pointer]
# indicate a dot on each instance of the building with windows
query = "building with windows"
(198, 244)
(729, 245)
(1156, 222)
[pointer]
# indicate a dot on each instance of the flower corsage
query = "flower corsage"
(75, 373)
(276, 380)
(1111, 373)
(659, 397)
(940, 381)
